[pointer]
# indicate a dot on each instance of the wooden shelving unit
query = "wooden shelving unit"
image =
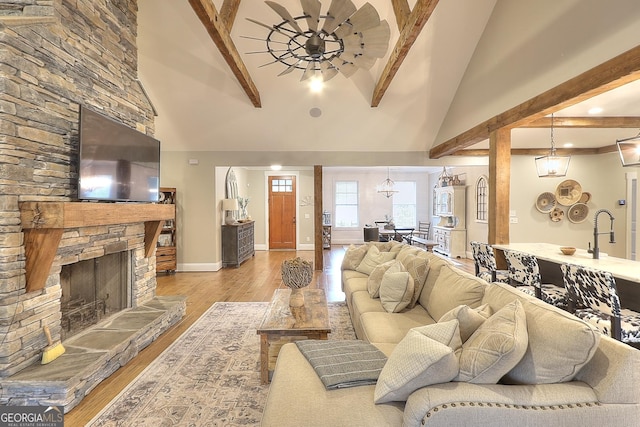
(166, 252)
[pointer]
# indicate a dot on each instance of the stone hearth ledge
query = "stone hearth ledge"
(92, 355)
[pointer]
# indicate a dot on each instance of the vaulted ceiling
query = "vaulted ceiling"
(212, 94)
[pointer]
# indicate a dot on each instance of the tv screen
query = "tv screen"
(117, 163)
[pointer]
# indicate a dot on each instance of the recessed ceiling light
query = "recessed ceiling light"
(315, 112)
(567, 144)
(595, 110)
(276, 167)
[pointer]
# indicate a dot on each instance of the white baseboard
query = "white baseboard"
(215, 266)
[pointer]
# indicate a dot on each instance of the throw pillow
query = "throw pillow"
(469, 318)
(373, 258)
(424, 356)
(396, 288)
(496, 347)
(418, 268)
(454, 287)
(353, 257)
(375, 278)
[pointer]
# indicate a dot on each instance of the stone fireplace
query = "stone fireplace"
(57, 55)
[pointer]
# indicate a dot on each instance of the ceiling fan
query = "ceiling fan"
(349, 38)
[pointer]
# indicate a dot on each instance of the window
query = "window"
(482, 199)
(346, 204)
(404, 204)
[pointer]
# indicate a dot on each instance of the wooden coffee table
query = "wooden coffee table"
(310, 321)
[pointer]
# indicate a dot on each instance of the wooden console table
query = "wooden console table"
(237, 243)
(310, 321)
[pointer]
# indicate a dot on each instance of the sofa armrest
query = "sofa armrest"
(426, 403)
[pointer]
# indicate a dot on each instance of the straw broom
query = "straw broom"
(53, 350)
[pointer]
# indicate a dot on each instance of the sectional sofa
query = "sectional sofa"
(460, 351)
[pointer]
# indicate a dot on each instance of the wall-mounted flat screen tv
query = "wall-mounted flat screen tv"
(117, 163)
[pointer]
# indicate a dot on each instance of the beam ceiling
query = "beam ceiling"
(220, 34)
(609, 75)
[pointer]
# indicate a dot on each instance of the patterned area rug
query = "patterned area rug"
(210, 376)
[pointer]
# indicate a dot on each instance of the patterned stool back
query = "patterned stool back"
(523, 268)
(594, 289)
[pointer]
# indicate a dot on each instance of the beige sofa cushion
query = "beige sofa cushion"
(373, 258)
(560, 344)
(383, 327)
(435, 263)
(375, 278)
(454, 287)
(469, 318)
(496, 347)
(353, 256)
(396, 289)
(418, 267)
(424, 356)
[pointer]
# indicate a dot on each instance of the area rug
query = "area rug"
(210, 376)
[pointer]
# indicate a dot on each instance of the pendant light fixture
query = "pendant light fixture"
(629, 149)
(552, 165)
(387, 187)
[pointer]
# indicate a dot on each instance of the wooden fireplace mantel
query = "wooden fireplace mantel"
(44, 223)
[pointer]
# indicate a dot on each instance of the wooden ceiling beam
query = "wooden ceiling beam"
(585, 122)
(410, 32)
(220, 35)
(484, 152)
(228, 13)
(402, 10)
(609, 75)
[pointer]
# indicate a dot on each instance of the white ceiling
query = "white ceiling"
(202, 107)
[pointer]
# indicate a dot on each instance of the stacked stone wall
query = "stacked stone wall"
(84, 54)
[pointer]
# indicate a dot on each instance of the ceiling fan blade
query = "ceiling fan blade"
(290, 68)
(310, 71)
(262, 40)
(346, 68)
(270, 27)
(327, 70)
(372, 42)
(338, 12)
(366, 17)
(284, 14)
(364, 61)
(311, 8)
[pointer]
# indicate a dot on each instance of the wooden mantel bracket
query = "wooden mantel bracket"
(45, 222)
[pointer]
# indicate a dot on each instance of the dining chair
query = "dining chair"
(403, 234)
(423, 230)
(485, 263)
(524, 274)
(593, 297)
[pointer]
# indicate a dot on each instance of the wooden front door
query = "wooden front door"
(282, 212)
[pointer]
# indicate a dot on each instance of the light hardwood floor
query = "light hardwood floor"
(254, 280)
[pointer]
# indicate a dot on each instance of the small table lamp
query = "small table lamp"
(229, 205)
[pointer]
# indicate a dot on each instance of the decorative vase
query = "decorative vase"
(296, 274)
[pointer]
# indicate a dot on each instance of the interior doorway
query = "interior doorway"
(282, 212)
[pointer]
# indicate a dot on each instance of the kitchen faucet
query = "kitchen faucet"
(596, 250)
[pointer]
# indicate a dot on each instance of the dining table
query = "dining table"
(625, 272)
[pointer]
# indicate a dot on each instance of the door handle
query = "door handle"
(294, 219)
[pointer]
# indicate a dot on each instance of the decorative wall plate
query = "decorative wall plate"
(546, 202)
(568, 192)
(556, 215)
(577, 213)
(585, 198)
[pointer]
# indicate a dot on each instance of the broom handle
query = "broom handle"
(47, 333)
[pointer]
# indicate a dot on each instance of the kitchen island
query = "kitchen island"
(626, 272)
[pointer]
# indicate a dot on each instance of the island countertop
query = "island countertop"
(619, 267)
